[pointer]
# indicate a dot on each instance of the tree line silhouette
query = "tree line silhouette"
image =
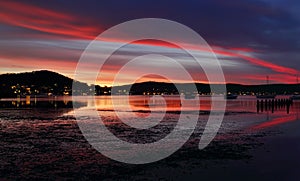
(48, 83)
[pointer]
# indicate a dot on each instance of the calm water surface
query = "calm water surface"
(40, 139)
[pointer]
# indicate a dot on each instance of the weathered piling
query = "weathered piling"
(274, 104)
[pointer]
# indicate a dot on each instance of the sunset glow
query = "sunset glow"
(35, 37)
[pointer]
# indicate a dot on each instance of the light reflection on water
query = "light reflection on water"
(135, 103)
(173, 103)
(143, 106)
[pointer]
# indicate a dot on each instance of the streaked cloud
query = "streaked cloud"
(251, 39)
(44, 20)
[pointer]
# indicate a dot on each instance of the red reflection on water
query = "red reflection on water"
(140, 104)
(169, 104)
(276, 121)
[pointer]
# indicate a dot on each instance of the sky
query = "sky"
(251, 38)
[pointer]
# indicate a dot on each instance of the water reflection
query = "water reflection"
(282, 115)
(174, 103)
(27, 109)
(240, 113)
(53, 102)
(147, 104)
(276, 121)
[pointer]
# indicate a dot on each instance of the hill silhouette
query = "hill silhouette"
(46, 82)
(169, 88)
(37, 82)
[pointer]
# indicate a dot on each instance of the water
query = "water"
(40, 139)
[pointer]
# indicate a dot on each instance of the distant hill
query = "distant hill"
(169, 88)
(36, 83)
(271, 88)
(45, 82)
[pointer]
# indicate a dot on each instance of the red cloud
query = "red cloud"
(255, 61)
(44, 20)
(231, 52)
(260, 79)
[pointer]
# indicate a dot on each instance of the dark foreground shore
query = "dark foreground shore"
(47, 144)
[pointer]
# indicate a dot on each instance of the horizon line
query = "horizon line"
(127, 84)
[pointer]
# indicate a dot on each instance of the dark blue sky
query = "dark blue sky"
(271, 25)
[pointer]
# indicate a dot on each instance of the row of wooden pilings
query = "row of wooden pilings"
(273, 105)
